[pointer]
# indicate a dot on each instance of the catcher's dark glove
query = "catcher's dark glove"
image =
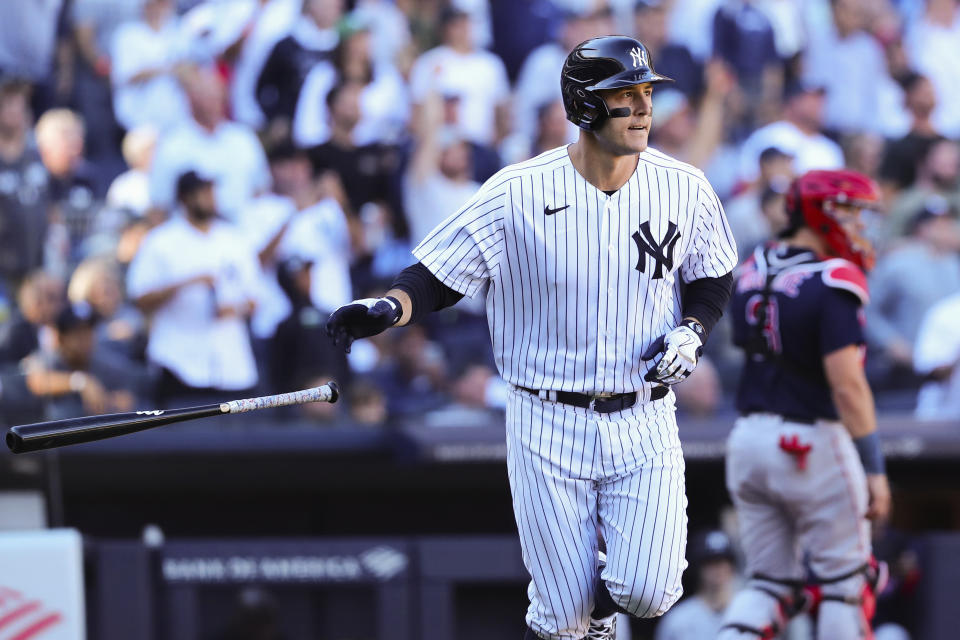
(362, 319)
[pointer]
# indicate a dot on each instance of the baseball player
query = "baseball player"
(603, 264)
(804, 465)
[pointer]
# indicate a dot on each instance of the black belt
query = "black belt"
(598, 403)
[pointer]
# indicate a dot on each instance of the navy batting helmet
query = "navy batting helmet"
(609, 62)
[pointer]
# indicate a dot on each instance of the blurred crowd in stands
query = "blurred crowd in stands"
(188, 188)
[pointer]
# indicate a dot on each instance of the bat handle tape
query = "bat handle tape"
(325, 393)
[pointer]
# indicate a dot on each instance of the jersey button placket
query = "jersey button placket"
(603, 331)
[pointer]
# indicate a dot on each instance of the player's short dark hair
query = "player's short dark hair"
(909, 80)
(772, 153)
(284, 150)
(74, 316)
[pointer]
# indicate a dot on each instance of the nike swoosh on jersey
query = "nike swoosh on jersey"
(547, 211)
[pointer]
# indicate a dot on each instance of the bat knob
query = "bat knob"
(334, 391)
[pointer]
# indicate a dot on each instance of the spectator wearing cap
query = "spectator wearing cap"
(39, 300)
(311, 41)
(937, 359)
(474, 82)
(700, 615)
(24, 187)
(73, 378)
(227, 151)
(938, 174)
(146, 56)
(849, 63)
(746, 214)
(797, 133)
(901, 156)
(906, 283)
(196, 277)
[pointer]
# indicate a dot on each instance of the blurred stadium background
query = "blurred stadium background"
(337, 133)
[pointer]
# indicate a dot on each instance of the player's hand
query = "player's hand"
(362, 319)
(878, 509)
(681, 349)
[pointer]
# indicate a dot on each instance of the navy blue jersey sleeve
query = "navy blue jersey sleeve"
(841, 321)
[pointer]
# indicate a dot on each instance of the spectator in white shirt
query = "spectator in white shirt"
(384, 102)
(312, 38)
(271, 22)
(438, 181)
(937, 356)
(227, 151)
(196, 278)
(933, 44)
(473, 80)
(850, 64)
(131, 189)
(797, 134)
(146, 56)
(299, 219)
(389, 26)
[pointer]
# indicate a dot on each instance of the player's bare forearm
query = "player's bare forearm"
(850, 391)
(406, 305)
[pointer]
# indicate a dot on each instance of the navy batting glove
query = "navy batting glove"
(362, 319)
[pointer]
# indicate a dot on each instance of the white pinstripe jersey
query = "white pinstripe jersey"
(579, 283)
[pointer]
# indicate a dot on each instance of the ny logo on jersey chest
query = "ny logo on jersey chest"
(661, 252)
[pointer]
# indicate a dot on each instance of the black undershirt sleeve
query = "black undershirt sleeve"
(426, 292)
(706, 298)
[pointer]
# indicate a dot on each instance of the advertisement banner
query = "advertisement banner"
(41, 585)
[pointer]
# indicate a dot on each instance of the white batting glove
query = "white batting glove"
(681, 349)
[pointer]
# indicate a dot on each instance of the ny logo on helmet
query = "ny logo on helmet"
(639, 57)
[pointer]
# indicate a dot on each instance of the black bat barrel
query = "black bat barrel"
(59, 433)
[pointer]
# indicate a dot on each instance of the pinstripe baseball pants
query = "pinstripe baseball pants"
(573, 470)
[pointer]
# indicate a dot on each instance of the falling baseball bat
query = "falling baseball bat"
(60, 433)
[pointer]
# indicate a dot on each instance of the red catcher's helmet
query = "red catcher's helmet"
(811, 201)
